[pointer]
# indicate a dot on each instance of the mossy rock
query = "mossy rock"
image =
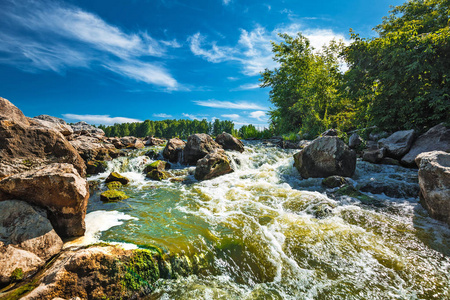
(114, 176)
(141, 271)
(158, 175)
(17, 275)
(152, 153)
(334, 181)
(159, 165)
(113, 195)
(96, 166)
(350, 191)
(114, 185)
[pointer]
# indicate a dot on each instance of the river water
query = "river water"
(268, 234)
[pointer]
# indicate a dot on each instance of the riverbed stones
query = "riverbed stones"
(198, 146)
(229, 142)
(27, 240)
(326, 156)
(436, 138)
(153, 141)
(173, 150)
(84, 128)
(398, 143)
(434, 182)
(212, 165)
(114, 176)
(56, 187)
(355, 141)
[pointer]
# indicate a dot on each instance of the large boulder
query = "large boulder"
(131, 142)
(198, 146)
(434, 182)
(27, 240)
(84, 128)
(24, 147)
(212, 165)
(229, 142)
(355, 141)
(436, 138)
(152, 141)
(93, 148)
(54, 123)
(173, 150)
(326, 156)
(398, 143)
(374, 156)
(58, 188)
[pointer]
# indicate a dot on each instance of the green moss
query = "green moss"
(113, 195)
(141, 271)
(158, 175)
(157, 165)
(350, 191)
(114, 185)
(114, 176)
(17, 274)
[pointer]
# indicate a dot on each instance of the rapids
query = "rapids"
(260, 230)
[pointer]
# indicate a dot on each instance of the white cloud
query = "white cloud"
(226, 2)
(192, 117)
(215, 54)
(163, 115)
(99, 119)
(248, 86)
(259, 115)
(231, 116)
(228, 104)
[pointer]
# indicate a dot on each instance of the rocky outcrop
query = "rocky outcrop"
(84, 128)
(93, 148)
(229, 142)
(173, 150)
(152, 141)
(434, 182)
(435, 139)
(27, 240)
(398, 143)
(374, 156)
(355, 141)
(326, 156)
(54, 123)
(198, 146)
(114, 176)
(58, 188)
(24, 147)
(212, 165)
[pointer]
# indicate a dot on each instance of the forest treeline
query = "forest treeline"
(397, 80)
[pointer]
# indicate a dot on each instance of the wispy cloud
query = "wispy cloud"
(55, 37)
(231, 116)
(226, 2)
(162, 115)
(193, 117)
(99, 119)
(248, 86)
(228, 104)
(215, 54)
(258, 115)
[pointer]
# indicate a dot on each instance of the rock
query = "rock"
(435, 139)
(229, 142)
(326, 156)
(58, 188)
(434, 182)
(303, 143)
(354, 141)
(390, 189)
(54, 123)
(114, 185)
(114, 176)
(131, 142)
(152, 141)
(398, 143)
(212, 165)
(173, 150)
(84, 128)
(158, 175)
(157, 165)
(113, 195)
(153, 154)
(198, 146)
(389, 161)
(330, 132)
(27, 240)
(335, 181)
(96, 166)
(24, 147)
(289, 145)
(92, 148)
(374, 156)
(375, 136)
(350, 191)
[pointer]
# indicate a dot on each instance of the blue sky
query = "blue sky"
(108, 61)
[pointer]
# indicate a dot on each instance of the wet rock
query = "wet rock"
(229, 142)
(198, 146)
(391, 189)
(303, 143)
(389, 161)
(355, 141)
(335, 181)
(398, 143)
(25, 147)
(114, 176)
(159, 165)
(96, 167)
(374, 156)
(54, 123)
(84, 128)
(212, 165)
(330, 132)
(152, 141)
(131, 142)
(173, 150)
(325, 156)
(351, 191)
(27, 240)
(153, 154)
(58, 188)
(434, 182)
(114, 185)
(113, 195)
(92, 148)
(158, 175)
(435, 139)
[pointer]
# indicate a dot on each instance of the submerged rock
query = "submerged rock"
(212, 165)
(434, 182)
(351, 191)
(113, 195)
(114, 176)
(335, 181)
(229, 142)
(398, 143)
(174, 148)
(326, 156)
(27, 240)
(56, 187)
(198, 146)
